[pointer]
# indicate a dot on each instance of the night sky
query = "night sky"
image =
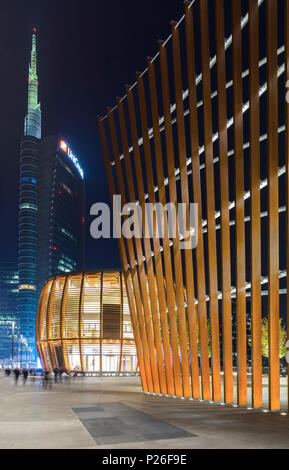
(87, 51)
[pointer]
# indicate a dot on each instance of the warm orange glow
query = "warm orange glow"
(83, 324)
(63, 146)
(27, 287)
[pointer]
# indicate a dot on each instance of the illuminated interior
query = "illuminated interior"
(84, 325)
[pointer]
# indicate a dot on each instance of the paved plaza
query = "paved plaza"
(113, 413)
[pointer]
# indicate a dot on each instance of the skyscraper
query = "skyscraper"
(51, 209)
(9, 281)
(61, 210)
(28, 205)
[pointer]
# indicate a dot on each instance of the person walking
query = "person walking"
(56, 372)
(45, 378)
(61, 371)
(16, 372)
(25, 375)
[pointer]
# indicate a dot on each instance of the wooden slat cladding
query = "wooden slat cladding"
(80, 320)
(273, 201)
(200, 125)
(121, 321)
(197, 198)
(176, 309)
(173, 388)
(144, 368)
(191, 307)
(161, 346)
(255, 205)
(286, 16)
(101, 321)
(176, 240)
(224, 198)
(153, 333)
(138, 278)
(210, 198)
(240, 206)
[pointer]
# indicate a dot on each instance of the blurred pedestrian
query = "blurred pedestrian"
(67, 378)
(25, 375)
(45, 378)
(7, 371)
(61, 371)
(16, 372)
(56, 372)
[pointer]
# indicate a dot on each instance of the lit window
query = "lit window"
(67, 189)
(26, 205)
(68, 234)
(63, 269)
(26, 179)
(27, 287)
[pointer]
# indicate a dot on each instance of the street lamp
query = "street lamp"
(21, 338)
(13, 326)
(26, 346)
(30, 355)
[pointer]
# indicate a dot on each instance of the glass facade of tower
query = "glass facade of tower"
(61, 216)
(28, 236)
(9, 280)
(28, 208)
(32, 125)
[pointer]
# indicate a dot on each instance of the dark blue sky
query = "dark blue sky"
(87, 51)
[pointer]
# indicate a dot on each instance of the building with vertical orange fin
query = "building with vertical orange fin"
(207, 122)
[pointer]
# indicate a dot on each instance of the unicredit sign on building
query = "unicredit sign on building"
(63, 145)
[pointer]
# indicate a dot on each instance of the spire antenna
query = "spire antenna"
(32, 125)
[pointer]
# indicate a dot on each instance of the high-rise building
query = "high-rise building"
(51, 212)
(9, 281)
(28, 205)
(61, 210)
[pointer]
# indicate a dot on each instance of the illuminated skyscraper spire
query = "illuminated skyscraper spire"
(32, 125)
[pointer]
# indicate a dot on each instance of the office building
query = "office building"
(61, 210)
(9, 281)
(28, 205)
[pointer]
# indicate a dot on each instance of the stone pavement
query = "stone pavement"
(108, 413)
